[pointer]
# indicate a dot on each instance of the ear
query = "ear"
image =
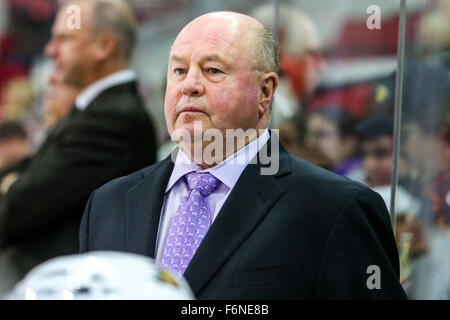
(105, 46)
(268, 84)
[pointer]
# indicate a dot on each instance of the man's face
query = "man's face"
(71, 49)
(377, 156)
(210, 79)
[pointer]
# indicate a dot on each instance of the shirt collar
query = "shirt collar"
(228, 171)
(92, 91)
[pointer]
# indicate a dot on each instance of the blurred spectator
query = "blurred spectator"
(376, 134)
(332, 130)
(300, 60)
(292, 136)
(426, 105)
(107, 134)
(14, 144)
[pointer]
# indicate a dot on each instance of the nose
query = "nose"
(50, 48)
(192, 84)
(370, 163)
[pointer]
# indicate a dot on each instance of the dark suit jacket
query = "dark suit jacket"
(303, 233)
(41, 213)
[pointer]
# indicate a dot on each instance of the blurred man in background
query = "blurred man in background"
(106, 134)
(376, 136)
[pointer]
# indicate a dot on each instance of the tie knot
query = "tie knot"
(202, 181)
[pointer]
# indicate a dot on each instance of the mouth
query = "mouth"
(190, 109)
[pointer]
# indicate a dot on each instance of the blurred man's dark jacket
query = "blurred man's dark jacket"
(40, 214)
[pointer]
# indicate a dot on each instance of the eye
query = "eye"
(214, 71)
(179, 71)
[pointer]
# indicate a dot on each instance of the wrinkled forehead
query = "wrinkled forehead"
(216, 31)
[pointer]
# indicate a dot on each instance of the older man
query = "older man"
(232, 230)
(107, 134)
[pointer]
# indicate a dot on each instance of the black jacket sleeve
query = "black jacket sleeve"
(60, 178)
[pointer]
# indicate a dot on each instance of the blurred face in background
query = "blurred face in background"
(326, 137)
(377, 160)
(291, 136)
(73, 50)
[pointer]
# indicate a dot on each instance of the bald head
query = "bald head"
(245, 32)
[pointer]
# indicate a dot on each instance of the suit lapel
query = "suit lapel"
(144, 209)
(250, 200)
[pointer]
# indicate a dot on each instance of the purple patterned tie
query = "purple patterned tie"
(190, 224)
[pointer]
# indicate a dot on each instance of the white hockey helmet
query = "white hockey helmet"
(101, 275)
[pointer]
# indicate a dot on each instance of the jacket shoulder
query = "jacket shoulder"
(309, 173)
(326, 191)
